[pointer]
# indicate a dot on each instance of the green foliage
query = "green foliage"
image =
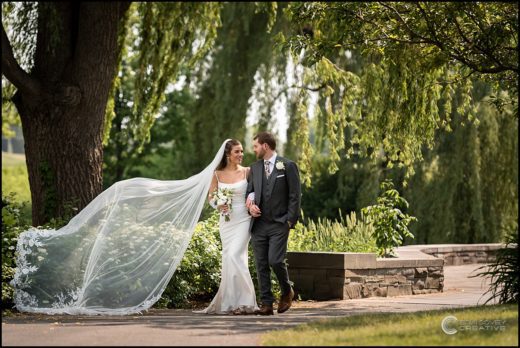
(503, 272)
(414, 58)
(13, 223)
(16, 180)
(225, 83)
(349, 234)
(170, 34)
(198, 275)
(466, 190)
(162, 157)
(390, 223)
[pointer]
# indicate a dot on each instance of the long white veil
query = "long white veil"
(118, 254)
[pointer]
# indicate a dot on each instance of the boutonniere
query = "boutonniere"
(280, 165)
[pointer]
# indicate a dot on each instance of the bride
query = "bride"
(236, 293)
(118, 254)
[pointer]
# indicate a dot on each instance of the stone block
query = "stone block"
(352, 291)
(335, 273)
(435, 274)
(432, 283)
(359, 272)
(365, 291)
(400, 290)
(336, 282)
(357, 279)
(421, 272)
(408, 271)
(391, 279)
(317, 273)
(372, 286)
(381, 291)
(360, 260)
(322, 291)
(387, 271)
(419, 284)
(374, 279)
(313, 260)
(402, 279)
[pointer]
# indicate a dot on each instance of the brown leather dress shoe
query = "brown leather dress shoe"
(265, 310)
(285, 302)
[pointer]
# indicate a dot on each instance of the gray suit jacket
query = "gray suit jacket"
(285, 195)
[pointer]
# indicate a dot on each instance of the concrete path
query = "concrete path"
(181, 327)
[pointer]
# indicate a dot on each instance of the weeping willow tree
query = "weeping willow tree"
(416, 54)
(244, 46)
(64, 93)
(466, 190)
(207, 103)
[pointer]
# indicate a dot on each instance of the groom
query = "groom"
(273, 199)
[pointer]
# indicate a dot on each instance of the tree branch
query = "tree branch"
(312, 89)
(457, 55)
(14, 73)
(478, 47)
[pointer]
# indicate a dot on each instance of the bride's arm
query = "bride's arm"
(212, 187)
(250, 194)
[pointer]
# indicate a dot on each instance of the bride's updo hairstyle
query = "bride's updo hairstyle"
(227, 152)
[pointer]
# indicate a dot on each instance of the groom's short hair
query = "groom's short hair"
(266, 138)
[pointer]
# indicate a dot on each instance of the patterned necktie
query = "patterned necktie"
(267, 169)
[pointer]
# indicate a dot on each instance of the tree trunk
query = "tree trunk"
(62, 102)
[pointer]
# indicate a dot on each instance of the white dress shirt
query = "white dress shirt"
(271, 160)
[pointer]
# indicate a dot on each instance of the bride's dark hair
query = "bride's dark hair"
(227, 151)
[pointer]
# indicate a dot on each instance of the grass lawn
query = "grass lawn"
(495, 325)
(14, 177)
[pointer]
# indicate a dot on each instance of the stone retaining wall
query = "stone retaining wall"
(417, 270)
(464, 254)
(326, 276)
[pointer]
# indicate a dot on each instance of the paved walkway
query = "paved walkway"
(181, 327)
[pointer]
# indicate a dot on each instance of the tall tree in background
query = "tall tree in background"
(244, 44)
(416, 54)
(62, 100)
(466, 190)
(208, 104)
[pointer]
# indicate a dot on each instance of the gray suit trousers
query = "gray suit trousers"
(269, 240)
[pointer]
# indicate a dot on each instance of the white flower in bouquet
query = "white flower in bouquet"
(223, 196)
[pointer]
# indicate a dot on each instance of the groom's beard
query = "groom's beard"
(260, 154)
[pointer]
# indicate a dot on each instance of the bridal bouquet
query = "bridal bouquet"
(223, 196)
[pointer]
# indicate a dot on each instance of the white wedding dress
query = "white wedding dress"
(236, 290)
(118, 254)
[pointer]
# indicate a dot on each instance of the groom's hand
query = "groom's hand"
(254, 210)
(250, 200)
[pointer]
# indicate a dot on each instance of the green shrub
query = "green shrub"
(390, 223)
(198, 275)
(350, 234)
(12, 224)
(196, 278)
(503, 272)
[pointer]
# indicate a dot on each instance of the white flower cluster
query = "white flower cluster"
(223, 196)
